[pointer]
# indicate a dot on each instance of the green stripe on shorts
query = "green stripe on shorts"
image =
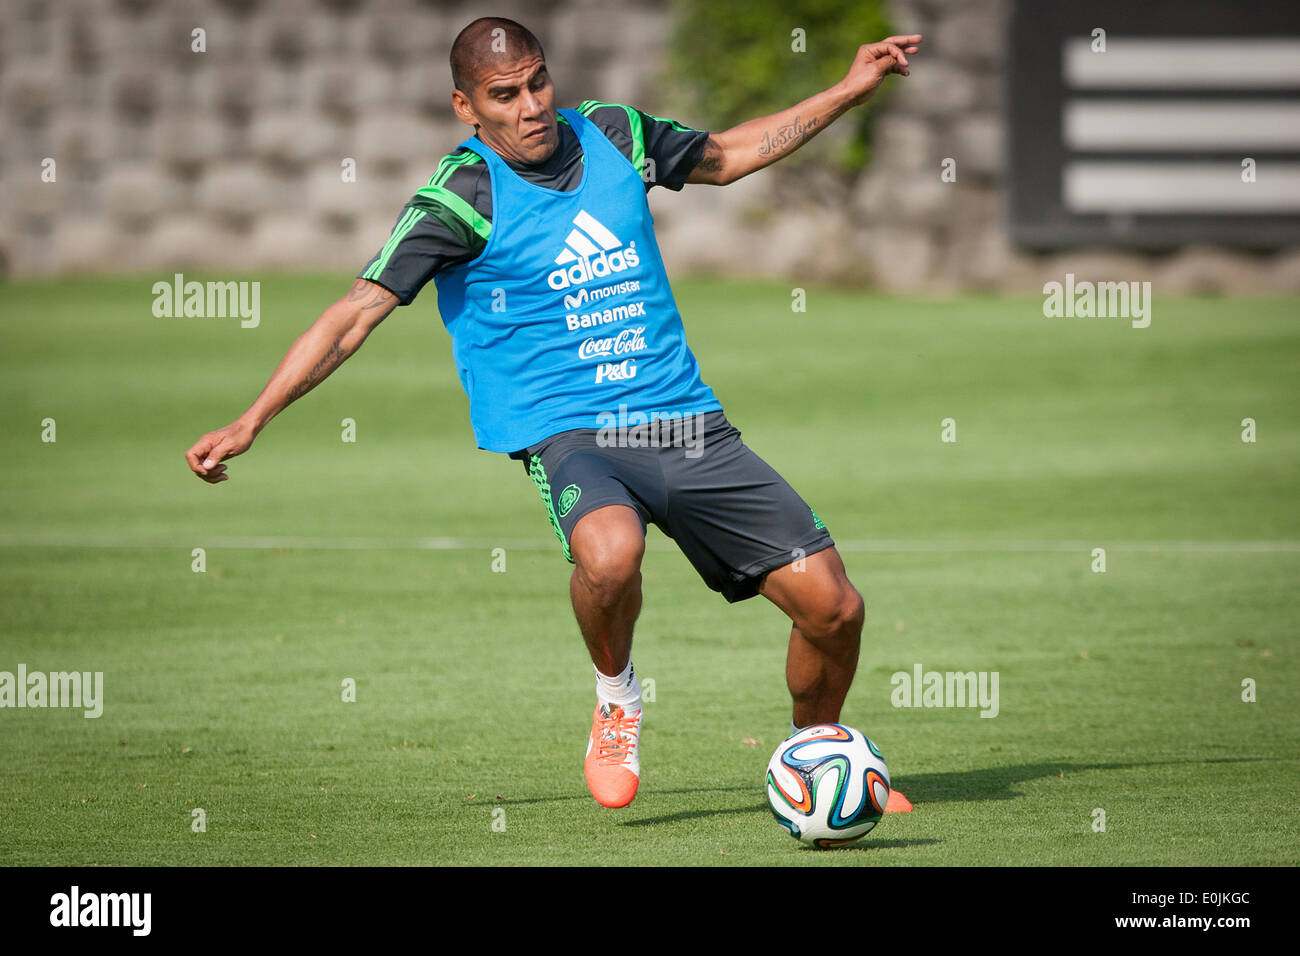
(537, 472)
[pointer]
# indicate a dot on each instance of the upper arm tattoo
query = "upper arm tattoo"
(370, 295)
(711, 158)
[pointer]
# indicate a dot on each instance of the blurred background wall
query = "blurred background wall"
(230, 159)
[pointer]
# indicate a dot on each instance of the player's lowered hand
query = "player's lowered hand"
(875, 61)
(206, 455)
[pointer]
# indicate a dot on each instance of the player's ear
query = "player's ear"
(463, 108)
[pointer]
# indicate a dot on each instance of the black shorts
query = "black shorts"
(731, 514)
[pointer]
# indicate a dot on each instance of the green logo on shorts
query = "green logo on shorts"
(817, 522)
(568, 498)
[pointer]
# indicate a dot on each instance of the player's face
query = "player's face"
(514, 109)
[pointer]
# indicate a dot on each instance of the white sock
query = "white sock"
(624, 689)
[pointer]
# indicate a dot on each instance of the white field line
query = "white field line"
(304, 543)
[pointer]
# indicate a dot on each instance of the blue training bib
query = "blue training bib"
(566, 319)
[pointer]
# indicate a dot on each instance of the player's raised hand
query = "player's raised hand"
(206, 455)
(875, 61)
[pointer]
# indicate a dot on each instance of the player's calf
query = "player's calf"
(827, 614)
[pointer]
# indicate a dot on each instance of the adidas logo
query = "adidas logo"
(590, 252)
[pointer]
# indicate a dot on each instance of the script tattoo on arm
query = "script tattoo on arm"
(329, 361)
(371, 295)
(787, 138)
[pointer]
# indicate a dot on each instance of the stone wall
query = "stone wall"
(231, 159)
(898, 225)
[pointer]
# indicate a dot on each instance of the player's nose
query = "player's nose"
(531, 105)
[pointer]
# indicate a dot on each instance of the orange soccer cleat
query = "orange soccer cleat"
(612, 766)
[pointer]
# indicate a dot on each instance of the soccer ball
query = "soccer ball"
(828, 785)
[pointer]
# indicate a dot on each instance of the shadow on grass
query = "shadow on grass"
(868, 842)
(990, 783)
(998, 783)
(681, 815)
(646, 794)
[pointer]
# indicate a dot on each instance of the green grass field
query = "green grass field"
(373, 560)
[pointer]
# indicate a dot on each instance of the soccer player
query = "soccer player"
(567, 340)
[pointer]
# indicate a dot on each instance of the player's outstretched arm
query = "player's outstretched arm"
(334, 336)
(760, 142)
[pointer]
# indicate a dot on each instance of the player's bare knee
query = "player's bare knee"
(836, 618)
(608, 581)
(857, 609)
(610, 563)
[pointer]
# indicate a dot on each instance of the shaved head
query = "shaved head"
(487, 45)
(502, 89)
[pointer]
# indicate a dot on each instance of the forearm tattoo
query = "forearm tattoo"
(787, 138)
(329, 361)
